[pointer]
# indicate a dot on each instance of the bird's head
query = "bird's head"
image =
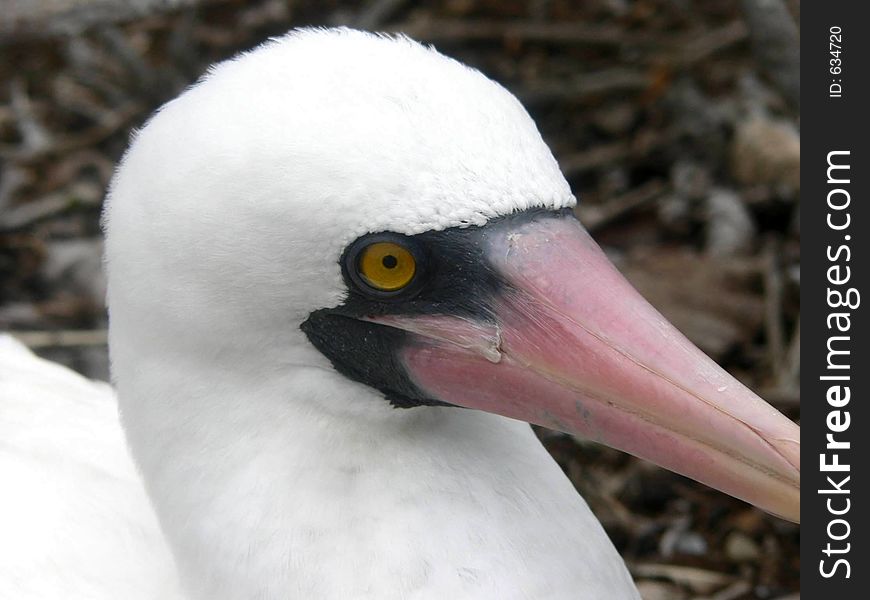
(364, 208)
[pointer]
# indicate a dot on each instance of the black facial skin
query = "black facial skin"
(453, 278)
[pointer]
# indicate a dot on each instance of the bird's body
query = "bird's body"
(79, 525)
(315, 256)
(76, 522)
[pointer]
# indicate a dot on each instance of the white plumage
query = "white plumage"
(282, 479)
(424, 506)
(272, 475)
(74, 517)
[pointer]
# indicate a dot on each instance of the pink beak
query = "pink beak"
(574, 347)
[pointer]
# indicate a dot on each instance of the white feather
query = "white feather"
(75, 522)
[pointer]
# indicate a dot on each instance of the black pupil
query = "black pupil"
(390, 261)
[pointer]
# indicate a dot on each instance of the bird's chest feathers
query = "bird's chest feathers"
(461, 504)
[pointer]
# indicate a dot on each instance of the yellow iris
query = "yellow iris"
(387, 266)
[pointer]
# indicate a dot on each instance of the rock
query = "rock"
(741, 548)
(775, 40)
(691, 543)
(678, 540)
(767, 151)
(730, 228)
(675, 214)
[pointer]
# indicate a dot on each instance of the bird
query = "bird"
(344, 275)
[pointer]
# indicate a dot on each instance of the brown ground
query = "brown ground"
(674, 128)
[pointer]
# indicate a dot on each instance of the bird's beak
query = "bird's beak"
(574, 347)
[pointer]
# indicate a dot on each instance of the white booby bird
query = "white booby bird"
(317, 256)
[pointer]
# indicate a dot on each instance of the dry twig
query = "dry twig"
(63, 338)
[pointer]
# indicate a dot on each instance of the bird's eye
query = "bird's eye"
(386, 266)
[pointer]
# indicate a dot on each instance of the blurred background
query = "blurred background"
(675, 121)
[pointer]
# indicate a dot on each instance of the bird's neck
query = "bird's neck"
(308, 485)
